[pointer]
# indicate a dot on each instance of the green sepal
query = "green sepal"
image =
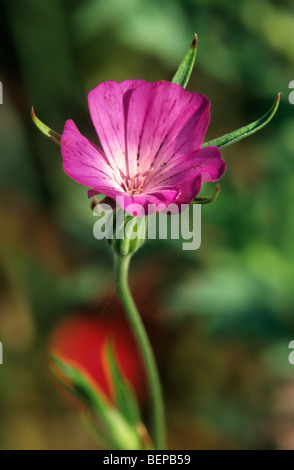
(184, 71)
(54, 136)
(207, 199)
(129, 245)
(104, 416)
(124, 395)
(246, 131)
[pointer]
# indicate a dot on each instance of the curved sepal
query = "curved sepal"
(246, 131)
(54, 136)
(184, 71)
(116, 430)
(208, 199)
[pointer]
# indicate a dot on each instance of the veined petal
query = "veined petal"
(86, 163)
(108, 104)
(189, 190)
(206, 162)
(189, 172)
(210, 164)
(163, 120)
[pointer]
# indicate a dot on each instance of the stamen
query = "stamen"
(134, 184)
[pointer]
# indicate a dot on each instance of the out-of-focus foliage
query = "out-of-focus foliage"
(220, 318)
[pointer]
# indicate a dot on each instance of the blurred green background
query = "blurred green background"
(220, 318)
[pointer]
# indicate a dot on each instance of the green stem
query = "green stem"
(121, 275)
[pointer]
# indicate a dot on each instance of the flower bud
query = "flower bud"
(124, 233)
(129, 234)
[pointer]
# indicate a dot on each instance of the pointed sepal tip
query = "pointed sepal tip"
(50, 133)
(184, 71)
(246, 131)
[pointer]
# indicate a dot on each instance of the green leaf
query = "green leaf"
(82, 389)
(110, 422)
(246, 131)
(54, 136)
(125, 398)
(208, 199)
(184, 71)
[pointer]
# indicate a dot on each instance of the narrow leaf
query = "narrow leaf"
(124, 395)
(208, 199)
(184, 71)
(54, 136)
(82, 389)
(115, 427)
(246, 131)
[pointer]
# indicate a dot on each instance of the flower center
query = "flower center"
(134, 184)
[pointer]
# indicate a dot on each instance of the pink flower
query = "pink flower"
(151, 135)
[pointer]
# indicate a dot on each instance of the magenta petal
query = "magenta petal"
(108, 104)
(209, 163)
(189, 190)
(85, 163)
(163, 120)
(92, 193)
(206, 162)
(160, 199)
(188, 173)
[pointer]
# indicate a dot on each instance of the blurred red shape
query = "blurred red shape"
(81, 340)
